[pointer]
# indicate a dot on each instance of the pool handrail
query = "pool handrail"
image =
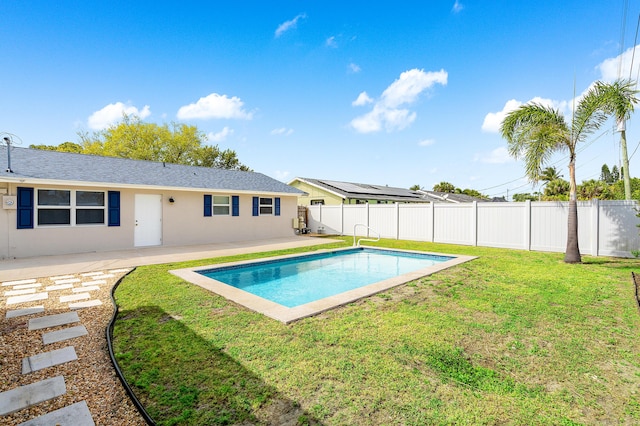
(356, 243)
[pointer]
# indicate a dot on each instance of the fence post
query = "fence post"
(474, 223)
(342, 218)
(595, 226)
(527, 225)
(397, 220)
(433, 221)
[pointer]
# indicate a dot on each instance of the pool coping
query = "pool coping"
(286, 315)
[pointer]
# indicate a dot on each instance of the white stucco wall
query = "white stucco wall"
(183, 223)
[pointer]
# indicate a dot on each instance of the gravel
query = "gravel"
(91, 378)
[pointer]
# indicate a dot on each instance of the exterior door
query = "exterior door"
(148, 216)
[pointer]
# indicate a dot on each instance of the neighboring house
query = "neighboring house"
(61, 203)
(330, 192)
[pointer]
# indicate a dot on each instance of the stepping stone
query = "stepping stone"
(25, 311)
(87, 304)
(103, 276)
(23, 286)
(29, 281)
(115, 271)
(90, 274)
(53, 320)
(85, 288)
(74, 297)
(58, 287)
(64, 334)
(19, 292)
(27, 298)
(25, 396)
(77, 414)
(92, 283)
(69, 281)
(61, 277)
(48, 359)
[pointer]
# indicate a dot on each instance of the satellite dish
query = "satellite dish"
(9, 139)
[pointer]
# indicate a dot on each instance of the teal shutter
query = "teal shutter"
(277, 201)
(235, 205)
(208, 203)
(113, 199)
(256, 211)
(25, 208)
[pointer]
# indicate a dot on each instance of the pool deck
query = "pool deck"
(287, 315)
(42, 266)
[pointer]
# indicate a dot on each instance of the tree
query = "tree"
(178, 144)
(615, 174)
(524, 197)
(549, 174)
(535, 132)
(444, 187)
(415, 188)
(620, 103)
(590, 189)
(557, 190)
(605, 174)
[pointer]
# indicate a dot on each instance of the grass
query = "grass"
(512, 337)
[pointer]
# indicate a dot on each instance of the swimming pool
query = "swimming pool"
(287, 288)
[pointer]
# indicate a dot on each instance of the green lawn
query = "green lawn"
(513, 337)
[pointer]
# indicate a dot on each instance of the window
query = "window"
(263, 206)
(65, 207)
(316, 202)
(266, 206)
(221, 205)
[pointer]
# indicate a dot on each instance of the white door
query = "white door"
(148, 215)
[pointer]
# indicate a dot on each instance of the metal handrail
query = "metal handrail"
(357, 244)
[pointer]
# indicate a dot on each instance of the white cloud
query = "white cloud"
(354, 68)
(410, 85)
(404, 91)
(331, 42)
(427, 142)
(457, 7)
(363, 99)
(113, 113)
(282, 131)
(286, 26)
(281, 175)
(619, 67)
(215, 106)
(220, 136)
(493, 120)
(497, 156)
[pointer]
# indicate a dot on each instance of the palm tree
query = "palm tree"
(535, 132)
(620, 104)
(549, 174)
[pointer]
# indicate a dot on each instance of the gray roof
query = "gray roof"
(365, 191)
(31, 164)
(362, 191)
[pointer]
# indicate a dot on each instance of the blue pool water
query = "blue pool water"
(295, 281)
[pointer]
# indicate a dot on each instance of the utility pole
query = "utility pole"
(625, 159)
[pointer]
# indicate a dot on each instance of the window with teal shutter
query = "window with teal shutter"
(256, 206)
(208, 203)
(235, 205)
(25, 208)
(113, 214)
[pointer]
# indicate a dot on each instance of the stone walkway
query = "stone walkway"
(60, 326)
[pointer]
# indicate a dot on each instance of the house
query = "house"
(63, 203)
(331, 192)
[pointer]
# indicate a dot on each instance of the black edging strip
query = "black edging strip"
(636, 282)
(127, 388)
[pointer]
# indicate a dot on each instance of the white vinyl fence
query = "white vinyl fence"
(605, 228)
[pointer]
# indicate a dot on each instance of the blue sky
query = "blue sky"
(395, 93)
